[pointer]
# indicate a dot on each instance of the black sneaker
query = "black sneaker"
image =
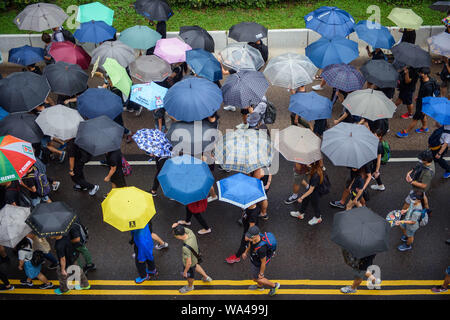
(89, 267)
(292, 198)
(53, 266)
(4, 288)
(337, 204)
(26, 283)
(78, 188)
(46, 286)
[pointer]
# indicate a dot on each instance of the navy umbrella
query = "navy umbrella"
(381, 73)
(94, 31)
(330, 22)
(22, 126)
(204, 64)
(244, 88)
(51, 219)
(197, 38)
(247, 32)
(411, 55)
(343, 77)
(157, 10)
(66, 78)
(26, 55)
(96, 102)
(311, 106)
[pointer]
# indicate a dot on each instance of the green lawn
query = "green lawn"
(279, 16)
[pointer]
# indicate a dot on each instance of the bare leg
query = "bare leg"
(199, 269)
(264, 283)
(157, 238)
(264, 206)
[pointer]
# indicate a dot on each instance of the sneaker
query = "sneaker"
(229, 108)
(186, 289)
(53, 266)
(438, 289)
(89, 267)
(211, 199)
(317, 87)
(315, 221)
(184, 222)
(78, 287)
(26, 283)
(55, 185)
(297, 214)
(4, 288)
(232, 259)
(77, 187)
(274, 291)
(59, 292)
(422, 130)
(404, 238)
(151, 275)
(264, 217)
(242, 126)
(402, 134)
(446, 175)
(138, 113)
(255, 287)
(46, 286)
(207, 279)
(348, 289)
(292, 198)
(94, 190)
(337, 204)
(161, 246)
(407, 115)
(377, 187)
(139, 280)
(154, 194)
(62, 157)
(204, 231)
(404, 247)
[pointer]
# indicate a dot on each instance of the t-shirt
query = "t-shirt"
(186, 252)
(29, 181)
(80, 156)
(413, 214)
(426, 176)
(64, 248)
(413, 75)
(257, 115)
(12, 193)
(114, 159)
(445, 137)
(314, 181)
(366, 169)
(426, 90)
(26, 253)
(256, 256)
(250, 216)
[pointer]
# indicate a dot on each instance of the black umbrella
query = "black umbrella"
(442, 6)
(361, 232)
(381, 73)
(65, 78)
(23, 91)
(197, 38)
(192, 137)
(51, 219)
(247, 32)
(22, 126)
(157, 10)
(99, 135)
(411, 55)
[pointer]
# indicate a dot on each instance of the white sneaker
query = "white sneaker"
(211, 199)
(203, 231)
(314, 221)
(297, 214)
(242, 126)
(94, 190)
(377, 187)
(317, 87)
(184, 222)
(230, 108)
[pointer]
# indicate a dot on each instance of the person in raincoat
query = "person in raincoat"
(143, 250)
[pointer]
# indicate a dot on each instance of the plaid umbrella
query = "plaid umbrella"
(381, 73)
(241, 56)
(244, 88)
(12, 225)
(440, 44)
(116, 50)
(343, 77)
(40, 16)
(153, 142)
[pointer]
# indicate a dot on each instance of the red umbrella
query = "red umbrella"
(71, 53)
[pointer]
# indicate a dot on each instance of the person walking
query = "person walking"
(196, 209)
(409, 35)
(160, 161)
(300, 171)
(444, 286)
(407, 86)
(360, 270)
(77, 160)
(143, 250)
(78, 237)
(6, 286)
(42, 244)
(440, 150)
(410, 224)
(115, 174)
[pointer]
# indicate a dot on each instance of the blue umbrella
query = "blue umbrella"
(325, 51)
(149, 95)
(438, 108)
(204, 64)
(193, 99)
(311, 106)
(374, 34)
(26, 55)
(96, 102)
(153, 142)
(94, 31)
(3, 113)
(241, 190)
(186, 179)
(330, 22)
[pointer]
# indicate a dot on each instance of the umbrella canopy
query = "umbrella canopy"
(186, 179)
(440, 44)
(247, 32)
(241, 190)
(193, 99)
(241, 56)
(411, 55)
(361, 232)
(369, 104)
(155, 10)
(116, 50)
(95, 11)
(153, 142)
(26, 55)
(343, 77)
(197, 38)
(381, 73)
(71, 53)
(99, 135)
(94, 31)
(194, 138)
(139, 37)
(60, 122)
(204, 64)
(172, 50)
(442, 6)
(22, 126)
(330, 22)
(51, 219)
(349, 145)
(374, 34)
(23, 91)
(299, 145)
(118, 75)
(66, 78)
(405, 18)
(437, 108)
(244, 88)
(128, 208)
(244, 150)
(40, 17)
(3, 113)
(290, 70)
(310, 105)
(96, 102)
(16, 158)
(325, 51)
(148, 95)
(150, 68)
(12, 225)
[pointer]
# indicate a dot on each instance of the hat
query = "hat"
(252, 231)
(426, 155)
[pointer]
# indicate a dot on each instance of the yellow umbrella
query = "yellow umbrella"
(405, 18)
(128, 208)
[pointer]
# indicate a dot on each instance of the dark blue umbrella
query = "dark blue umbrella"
(26, 55)
(311, 106)
(96, 102)
(343, 77)
(193, 99)
(204, 64)
(94, 31)
(325, 51)
(374, 34)
(330, 22)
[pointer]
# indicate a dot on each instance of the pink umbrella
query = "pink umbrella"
(71, 53)
(172, 50)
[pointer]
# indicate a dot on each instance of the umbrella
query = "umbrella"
(22, 126)
(440, 44)
(193, 99)
(325, 51)
(94, 31)
(153, 142)
(185, 179)
(128, 208)
(12, 225)
(139, 37)
(405, 18)
(241, 56)
(192, 138)
(40, 17)
(51, 219)
(204, 64)
(369, 104)
(381, 73)
(244, 150)
(437, 108)
(290, 70)
(26, 55)
(361, 232)
(23, 91)
(241, 190)
(247, 32)
(310, 105)
(99, 135)
(150, 68)
(66, 78)
(68, 52)
(375, 34)
(60, 122)
(16, 158)
(244, 88)
(155, 10)
(118, 75)
(299, 145)
(172, 50)
(95, 11)
(442, 6)
(330, 22)
(411, 55)
(343, 77)
(197, 38)
(3, 113)
(148, 95)
(349, 145)
(96, 102)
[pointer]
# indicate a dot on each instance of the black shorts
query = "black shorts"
(419, 115)
(190, 273)
(118, 179)
(244, 111)
(406, 96)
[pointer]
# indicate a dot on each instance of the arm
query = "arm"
(70, 100)
(441, 151)
(262, 268)
(377, 169)
(186, 268)
(342, 118)
(306, 194)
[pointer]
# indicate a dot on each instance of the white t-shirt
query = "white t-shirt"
(445, 138)
(26, 254)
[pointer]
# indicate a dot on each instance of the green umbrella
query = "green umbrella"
(405, 18)
(95, 11)
(140, 37)
(118, 75)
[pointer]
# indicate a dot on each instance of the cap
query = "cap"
(426, 155)
(252, 231)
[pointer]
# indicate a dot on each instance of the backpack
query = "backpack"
(68, 36)
(434, 141)
(84, 232)
(325, 186)
(423, 220)
(436, 88)
(268, 239)
(387, 152)
(126, 168)
(270, 115)
(42, 184)
(38, 258)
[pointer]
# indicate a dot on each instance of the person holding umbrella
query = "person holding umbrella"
(77, 159)
(196, 209)
(143, 250)
(115, 174)
(360, 270)
(6, 286)
(408, 80)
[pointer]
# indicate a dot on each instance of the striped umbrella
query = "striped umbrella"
(343, 77)
(244, 88)
(16, 158)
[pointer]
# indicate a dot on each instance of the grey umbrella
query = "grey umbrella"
(51, 219)
(149, 68)
(411, 55)
(197, 38)
(60, 122)
(22, 126)
(244, 88)
(40, 16)
(241, 56)
(361, 232)
(247, 32)
(369, 104)
(442, 6)
(116, 50)
(12, 225)
(66, 78)
(192, 137)
(381, 73)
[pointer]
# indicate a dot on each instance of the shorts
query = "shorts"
(190, 273)
(118, 179)
(419, 115)
(298, 178)
(244, 111)
(31, 271)
(406, 97)
(254, 270)
(45, 140)
(359, 274)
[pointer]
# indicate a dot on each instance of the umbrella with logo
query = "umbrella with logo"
(330, 22)
(153, 142)
(96, 102)
(139, 37)
(405, 18)
(411, 55)
(194, 138)
(241, 56)
(172, 50)
(95, 32)
(369, 104)
(155, 10)
(381, 73)
(51, 219)
(26, 55)
(118, 75)
(241, 190)
(60, 122)
(149, 95)
(12, 225)
(343, 77)
(95, 11)
(197, 38)
(204, 64)
(244, 88)
(310, 105)
(71, 53)
(440, 44)
(150, 68)
(438, 108)
(16, 158)
(337, 50)
(247, 32)
(22, 126)
(376, 35)
(66, 78)
(40, 17)
(116, 50)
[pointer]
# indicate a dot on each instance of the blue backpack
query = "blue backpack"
(268, 239)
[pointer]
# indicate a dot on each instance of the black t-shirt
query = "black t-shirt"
(80, 156)
(256, 256)
(114, 159)
(12, 193)
(314, 180)
(409, 36)
(64, 248)
(250, 216)
(29, 181)
(413, 75)
(366, 169)
(426, 90)
(261, 48)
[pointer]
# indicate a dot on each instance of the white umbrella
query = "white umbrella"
(369, 104)
(241, 56)
(12, 225)
(60, 122)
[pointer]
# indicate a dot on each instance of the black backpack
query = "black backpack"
(271, 113)
(38, 258)
(325, 186)
(68, 36)
(434, 141)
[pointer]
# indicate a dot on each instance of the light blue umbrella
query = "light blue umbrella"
(311, 106)
(330, 22)
(95, 32)
(149, 95)
(95, 11)
(139, 37)
(375, 34)
(204, 64)
(241, 190)
(438, 108)
(325, 51)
